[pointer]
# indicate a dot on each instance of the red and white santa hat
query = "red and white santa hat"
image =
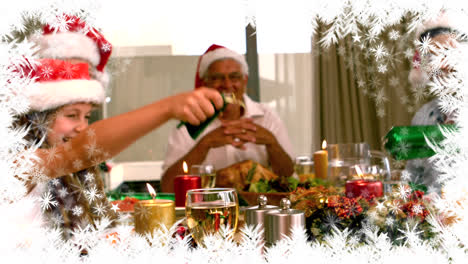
(62, 82)
(215, 53)
(443, 23)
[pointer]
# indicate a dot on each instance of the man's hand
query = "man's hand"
(245, 130)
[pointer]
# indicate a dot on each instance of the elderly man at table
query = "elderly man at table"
(254, 132)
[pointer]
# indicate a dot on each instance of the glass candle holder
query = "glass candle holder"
(342, 157)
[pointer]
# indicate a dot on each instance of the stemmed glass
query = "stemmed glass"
(208, 210)
(207, 174)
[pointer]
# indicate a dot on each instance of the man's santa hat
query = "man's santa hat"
(442, 24)
(67, 83)
(215, 53)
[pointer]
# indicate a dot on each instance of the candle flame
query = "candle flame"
(151, 190)
(359, 171)
(185, 167)
(324, 144)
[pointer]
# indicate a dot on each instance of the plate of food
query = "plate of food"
(251, 180)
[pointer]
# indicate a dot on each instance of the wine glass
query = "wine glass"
(208, 210)
(206, 173)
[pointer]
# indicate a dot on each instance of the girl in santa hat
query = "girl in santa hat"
(70, 149)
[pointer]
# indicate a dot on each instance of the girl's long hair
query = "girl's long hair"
(75, 208)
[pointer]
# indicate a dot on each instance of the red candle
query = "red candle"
(364, 188)
(183, 183)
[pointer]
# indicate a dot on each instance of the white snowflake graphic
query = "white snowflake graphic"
(143, 212)
(91, 133)
(61, 23)
(405, 175)
(92, 194)
(404, 131)
(410, 235)
(89, 177)
(365, 193)
(47, 201)
(331, 221)
(403, 147)
(394, 207)
(380, 97)
(394, 35)
(409, 53)
(62, 192)
(394, 81)
(69, 71)
(404, 99)
(424, 45)
(52, 154)
(77, 164)
(361, 83)
(92, 149)
(380, 112)
(380, 206)
(417, 209)
(356, 38)
(57, 219)
(404, 191)
(77, 210)
(46, 72)
(106, 47)
(389, 221)
(100, 209)
(382, 68)
(380, 51)
(115, 207)
(55, 182)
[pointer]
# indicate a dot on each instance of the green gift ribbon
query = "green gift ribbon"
(409, 142)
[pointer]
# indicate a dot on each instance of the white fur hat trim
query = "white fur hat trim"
(218, 54)
(50, 95)
(69, 45)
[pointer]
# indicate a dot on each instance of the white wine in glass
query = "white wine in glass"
(209, 210)
(207, 174)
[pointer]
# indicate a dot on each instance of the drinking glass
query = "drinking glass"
(206, 173)
(207, 210)
(342, 157)
(304, 168)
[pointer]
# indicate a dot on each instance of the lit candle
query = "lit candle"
(153, 214)
(183, 183)
(363, 187)
(321, 162)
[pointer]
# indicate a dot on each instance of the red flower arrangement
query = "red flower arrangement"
(326, 208)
